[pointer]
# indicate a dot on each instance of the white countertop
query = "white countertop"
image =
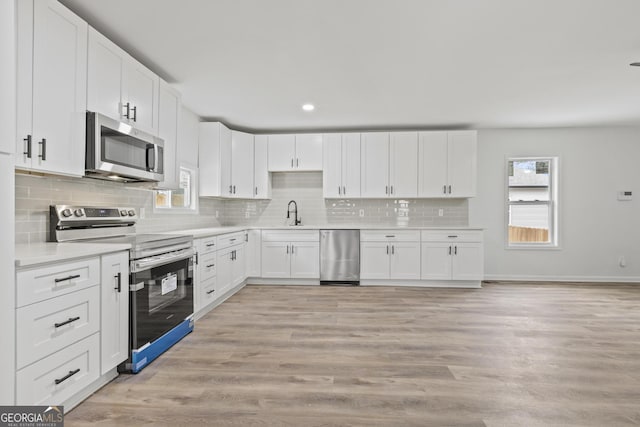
(41, 253)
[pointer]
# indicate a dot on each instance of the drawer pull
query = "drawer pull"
(211, 291)
(210, 244)
(66, 377)
(232, 240)
(66, 322)
(64, 279)
(210, 265)
(390, 235)
(118, 277)
(452, 237)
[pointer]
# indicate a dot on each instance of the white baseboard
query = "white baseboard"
(204, 310)
(83, 394)
(473, 284)
(549, 278)
(269, 281)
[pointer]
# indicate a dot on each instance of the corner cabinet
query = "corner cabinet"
(448, 164)
(120, 87)
(341, 166)
(51, 88)
(389, 165)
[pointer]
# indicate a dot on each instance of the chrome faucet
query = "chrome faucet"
(296, 221)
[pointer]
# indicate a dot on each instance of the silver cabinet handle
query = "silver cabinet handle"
(119, 278)
(66, 377)
(43, 154)
(64, 279)
(28, 141)
(66, 322)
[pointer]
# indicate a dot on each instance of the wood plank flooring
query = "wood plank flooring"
(505, 355)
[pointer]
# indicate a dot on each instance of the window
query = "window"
(531, 203)
(184, 198)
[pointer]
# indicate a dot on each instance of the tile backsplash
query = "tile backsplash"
(34, 194)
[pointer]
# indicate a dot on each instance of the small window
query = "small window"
(531, 203)
(182, 199)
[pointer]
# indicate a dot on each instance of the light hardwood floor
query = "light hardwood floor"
(505, 355)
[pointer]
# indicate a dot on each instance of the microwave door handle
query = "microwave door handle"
(151, 157)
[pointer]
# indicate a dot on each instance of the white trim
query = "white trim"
(545, 278)
(290, 282)
(83, 394)
(207, 308)
(423, 283)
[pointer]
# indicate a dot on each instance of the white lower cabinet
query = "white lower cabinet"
(389, 260)
(205, 277)
(115, 310)
(452, 255)
(254, 243)
(231, 265)
(291, 254)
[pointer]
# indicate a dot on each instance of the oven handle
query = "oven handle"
(142, 265)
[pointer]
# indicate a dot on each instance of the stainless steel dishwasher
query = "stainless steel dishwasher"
(339, 257)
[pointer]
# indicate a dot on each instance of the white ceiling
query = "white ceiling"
(383, 64)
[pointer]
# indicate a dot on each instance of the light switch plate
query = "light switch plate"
(625, 195)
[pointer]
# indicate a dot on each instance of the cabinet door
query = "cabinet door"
(462, 155)
(168, 131)
(106, 64)
(254, 249)
(403, 164)
(242, 164)
(239, 265)
(305, 260)
(282, 152)
(276, 259)
(24, 82)
(436, 261)
(212, 136)
(374, 164)
(432, 159)
(468, 261)
(188, 125)
(142, 88)
(114, 332)
(225, 271)
(308, 152)
(405, 261)
(351, 165)
(374, 260)
(261, 179)
(332, 166)
(59, 89)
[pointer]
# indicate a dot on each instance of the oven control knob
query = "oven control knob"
(78, 212)
(123, 213)
(66, 213)
(132, 212)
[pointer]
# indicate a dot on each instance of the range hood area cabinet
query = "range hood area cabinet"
(227, 162)
(295, 152)
(341, 166)
(448, 164)
(389, 164)
(120, 87)
(51, 88)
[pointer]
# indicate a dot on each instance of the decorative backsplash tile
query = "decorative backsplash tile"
(34, 195)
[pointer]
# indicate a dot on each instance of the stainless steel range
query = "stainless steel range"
(161, 275)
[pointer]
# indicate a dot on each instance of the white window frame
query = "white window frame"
(553, 204)
(194, 207)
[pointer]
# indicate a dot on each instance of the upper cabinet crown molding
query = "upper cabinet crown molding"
(51, 88)
(121, 87)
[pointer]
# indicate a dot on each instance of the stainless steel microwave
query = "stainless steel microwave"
(116, 151)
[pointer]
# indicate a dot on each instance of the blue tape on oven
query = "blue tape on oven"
(148, 353)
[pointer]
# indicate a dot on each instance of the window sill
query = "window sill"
(532, 247)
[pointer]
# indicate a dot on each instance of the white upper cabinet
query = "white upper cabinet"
(447, 164)
(188, 128)
(213, 136)
(51, 88)
(403, 164)
(374, 164)
(341, 165)
(389, 167)
(120, 87)
(290, 152)
(261, 177)
(242, 165)
(169, 117)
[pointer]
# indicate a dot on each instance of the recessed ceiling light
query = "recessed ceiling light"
(308, 107)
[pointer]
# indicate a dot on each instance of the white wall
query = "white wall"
(595, 228)
(7, 144)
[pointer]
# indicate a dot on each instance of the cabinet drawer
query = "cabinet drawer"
(207, 245)
(208, 292)
(452, 235)
(39, 284)
(79, 363)
(291, 236)
(207, 266)
(231, 239)
(390, 236)
(77, 316)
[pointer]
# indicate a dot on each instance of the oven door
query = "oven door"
(161, 297)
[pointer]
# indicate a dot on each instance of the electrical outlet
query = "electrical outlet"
(361, 212)
(440, 212)
(622, 261)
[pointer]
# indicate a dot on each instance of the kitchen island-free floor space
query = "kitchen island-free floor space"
(507, 354)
